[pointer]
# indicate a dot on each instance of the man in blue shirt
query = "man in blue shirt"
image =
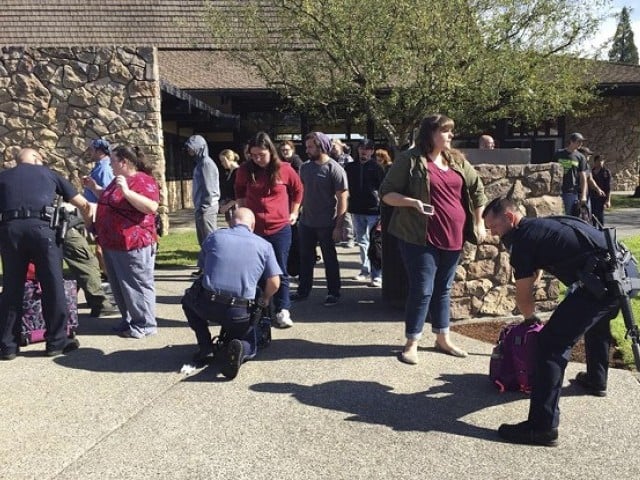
(99, 178)
(101, 173)
(226, 292)
(574, 252)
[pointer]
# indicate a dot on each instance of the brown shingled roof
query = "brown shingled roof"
(207, 70)
(172, 24)
(608, 73)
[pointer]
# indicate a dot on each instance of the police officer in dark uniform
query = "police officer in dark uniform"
(235, 261)
(25, 236)
(574, 252)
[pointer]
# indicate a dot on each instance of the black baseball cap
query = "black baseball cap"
(367, 143)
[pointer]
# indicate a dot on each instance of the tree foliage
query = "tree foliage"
(623, 49)
(394, 61)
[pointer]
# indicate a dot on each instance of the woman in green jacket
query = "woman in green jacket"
(431, 240)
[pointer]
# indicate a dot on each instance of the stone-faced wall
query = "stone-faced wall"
(483, 284)
(612, 129)
(56, 99)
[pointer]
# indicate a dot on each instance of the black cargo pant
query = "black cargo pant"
(22, 241)
(236, 321)
(580, 313)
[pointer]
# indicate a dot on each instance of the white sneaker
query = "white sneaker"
(283, 319)
(376, 282)
(361, 277)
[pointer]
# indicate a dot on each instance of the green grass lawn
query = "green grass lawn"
(624, 201)
(178, 250)
(618, 329)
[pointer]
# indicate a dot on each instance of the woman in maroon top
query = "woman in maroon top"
(125, 224)
(273, 191)
(430, 243)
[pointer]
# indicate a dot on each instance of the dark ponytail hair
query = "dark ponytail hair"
(262, 140)
(133, 155)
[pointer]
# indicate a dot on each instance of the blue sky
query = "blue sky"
(608, 28)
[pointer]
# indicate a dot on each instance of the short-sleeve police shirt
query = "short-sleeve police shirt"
(545, 243)
(235, 260)
(32, 187)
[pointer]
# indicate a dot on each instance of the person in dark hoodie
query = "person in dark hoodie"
(205, 188)
(365, 177)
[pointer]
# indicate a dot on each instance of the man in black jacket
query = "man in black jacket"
(364, 177)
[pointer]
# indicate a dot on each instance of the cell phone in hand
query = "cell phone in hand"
(428, 209)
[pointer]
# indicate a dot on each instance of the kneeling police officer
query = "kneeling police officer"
(575, 253)
(235, 261)
(27, 194)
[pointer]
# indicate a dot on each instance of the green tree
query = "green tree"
(623, 49)
(393, 61)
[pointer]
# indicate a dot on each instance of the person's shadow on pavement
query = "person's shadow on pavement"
(441, 407)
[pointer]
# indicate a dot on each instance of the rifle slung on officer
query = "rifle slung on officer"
(623, 279)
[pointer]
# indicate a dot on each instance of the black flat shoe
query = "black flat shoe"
(8, 356)
(587, 384)
(71, 346)
(522, 433)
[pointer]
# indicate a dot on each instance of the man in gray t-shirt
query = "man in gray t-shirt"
(323, 209)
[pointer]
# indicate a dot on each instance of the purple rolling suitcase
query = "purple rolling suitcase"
(33, 328)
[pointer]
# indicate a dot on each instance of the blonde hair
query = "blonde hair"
(230, 156)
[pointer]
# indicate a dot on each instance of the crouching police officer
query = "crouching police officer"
(235, 260)
(574, 252)
(27, 193)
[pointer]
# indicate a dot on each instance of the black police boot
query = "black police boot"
(203, 357)
(71, 345)
(8, 355)
(589, 386)
(232, 359)
(524, 434)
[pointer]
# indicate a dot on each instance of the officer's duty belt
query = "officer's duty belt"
(24, 213)
(229, 300)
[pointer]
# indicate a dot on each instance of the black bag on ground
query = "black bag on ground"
(374, 252)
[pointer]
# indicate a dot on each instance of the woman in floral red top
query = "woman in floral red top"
(125, 224)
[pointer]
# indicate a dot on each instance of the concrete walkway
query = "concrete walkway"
(327, 400)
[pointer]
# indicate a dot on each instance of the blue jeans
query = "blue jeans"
(362, 225)
(309, 238)
(281, 243)
(430, 272)
(568, 199)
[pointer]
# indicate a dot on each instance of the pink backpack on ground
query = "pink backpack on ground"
(513, 359)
